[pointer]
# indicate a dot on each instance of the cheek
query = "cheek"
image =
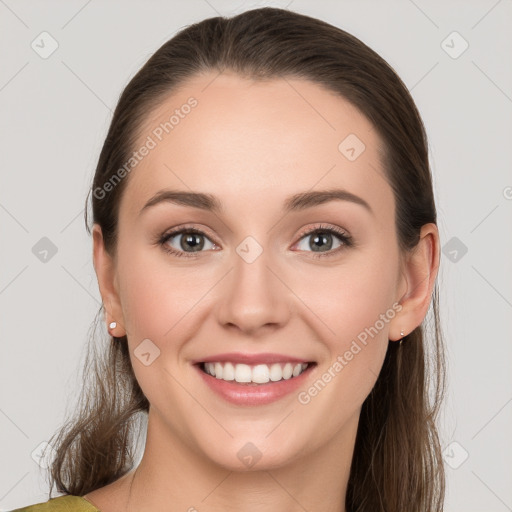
(349, 299)
(157, 302)
(155, 295)
(355, 306)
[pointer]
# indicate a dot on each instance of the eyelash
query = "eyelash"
(342, 235)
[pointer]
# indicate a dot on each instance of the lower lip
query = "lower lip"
(260, 394)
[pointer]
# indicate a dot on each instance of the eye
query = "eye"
(191, 240)
(322, 241)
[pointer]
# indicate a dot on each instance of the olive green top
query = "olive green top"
(61, 504)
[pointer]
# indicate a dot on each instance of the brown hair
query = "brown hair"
(397, 464)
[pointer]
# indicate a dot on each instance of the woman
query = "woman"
(266, 249)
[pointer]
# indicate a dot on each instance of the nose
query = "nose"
(254, 297)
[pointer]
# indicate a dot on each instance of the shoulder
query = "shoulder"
(61, 504)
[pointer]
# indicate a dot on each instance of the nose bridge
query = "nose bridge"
(254, 296)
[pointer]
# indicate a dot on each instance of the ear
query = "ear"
(419, 272)
(107, 281)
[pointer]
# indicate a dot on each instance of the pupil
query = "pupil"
(192, 240)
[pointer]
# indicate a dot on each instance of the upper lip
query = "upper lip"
(251, 359)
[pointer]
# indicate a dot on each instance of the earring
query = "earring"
(401, 333)
(113, 325)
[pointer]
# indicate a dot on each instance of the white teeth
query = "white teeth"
(259, 374)
(242, 372)
(287, 371)
(276, 373)
(228, 372)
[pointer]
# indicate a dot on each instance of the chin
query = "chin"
(253, 452)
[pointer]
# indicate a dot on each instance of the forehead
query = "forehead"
(247, 141)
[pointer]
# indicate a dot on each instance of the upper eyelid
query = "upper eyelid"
(186, 229)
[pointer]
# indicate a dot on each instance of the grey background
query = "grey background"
(55, 113)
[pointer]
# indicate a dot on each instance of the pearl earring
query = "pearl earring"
(401, 333)
(113, 325)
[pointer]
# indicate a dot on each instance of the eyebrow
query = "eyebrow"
(297, 202)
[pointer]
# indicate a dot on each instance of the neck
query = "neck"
(173, 476)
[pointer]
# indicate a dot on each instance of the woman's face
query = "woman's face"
(253, 282)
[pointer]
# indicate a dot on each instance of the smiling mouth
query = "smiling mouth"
(254, 375)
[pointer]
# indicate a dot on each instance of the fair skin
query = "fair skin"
(252, 145)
